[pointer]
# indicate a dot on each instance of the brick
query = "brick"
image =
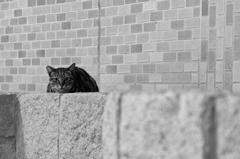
(50, 1)
(196, 12)
(21, 54)
(41, 2)
(17, 46)
(212, 16)
(123, 49)
(229, 14)
(237, 25)
(185, 13)
(236, 70)
(176, 67)
(9, 30)
(170, 14)
(111, 69)
(149, 27)
(204, 50)
(177, 24)
(142, 78)
(55, 61)
(176, 45)
(123, 69)
(66, 25)
(117, 59)
(5, 38)
(184, 56)
(87, 4)
(36, 61)
(228, 41)
(22, 20)
(191, 3)
(149, 68)
(82, 33)
(118, 2)
(41, 19)
(129, 79)
(55, 43)
(137, 48)
(162, 47)
(192, 23)
(32, 3)
(228, 59)
(61, 1)
(219, 71)
(130, 1)
(136, 28)
(211, 61)
(185, 35)
(190, 67)
(227, 81)
(163, 5)
(40, 53)
(130, 19)
(111, 49)
(236, 48)
(169, 57)
(26, 62)
(61, 17)
(117, 20)
(136, 8)
(136, 68)
(156, 16)
(178, 3)
(65, 61)
(156, 57)
(143, 38)
(17, 12)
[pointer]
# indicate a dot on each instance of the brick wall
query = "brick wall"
(145, 44)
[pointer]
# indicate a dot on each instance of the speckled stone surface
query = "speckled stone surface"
(8, 105)
(228, 114)
(81, 126)
(39, 114)
(155, 125)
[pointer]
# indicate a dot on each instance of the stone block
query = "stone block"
(151, 125)
(39, 114)
(7, 115)
(228, 126)
(80, 126)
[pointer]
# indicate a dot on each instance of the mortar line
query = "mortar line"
(99, 43)
(118, 123)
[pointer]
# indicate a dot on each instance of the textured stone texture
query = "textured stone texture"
(7, 126)
(39, 115)
(228, 114)
(81, 126)
(151, 125)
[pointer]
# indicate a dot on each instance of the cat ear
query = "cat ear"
(72, 66)
(49, 69)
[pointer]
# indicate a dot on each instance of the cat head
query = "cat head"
(61, 80)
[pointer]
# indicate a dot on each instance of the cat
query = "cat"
(70, 80)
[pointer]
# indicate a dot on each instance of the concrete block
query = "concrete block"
(80, 126)
(110, 134)
(39, 114)
(228, 126)
(7, 115)
(148, 125)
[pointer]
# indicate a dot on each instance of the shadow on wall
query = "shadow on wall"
(11, 134)
(20, 147)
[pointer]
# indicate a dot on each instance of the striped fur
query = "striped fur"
(70, 80)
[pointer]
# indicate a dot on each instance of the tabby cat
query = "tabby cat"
(69, 80)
